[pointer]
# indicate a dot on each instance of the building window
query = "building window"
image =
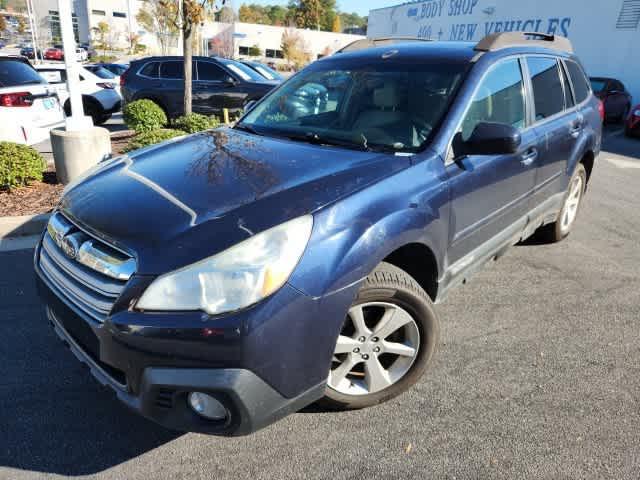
(54, 26)
(120, 14)
(102, 13)
(243, 50)
(270, 53)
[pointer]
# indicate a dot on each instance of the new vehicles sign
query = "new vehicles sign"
(604, 34)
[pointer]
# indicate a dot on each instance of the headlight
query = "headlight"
(636, 113)
(236, 278)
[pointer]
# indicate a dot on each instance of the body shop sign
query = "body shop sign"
(467, 20)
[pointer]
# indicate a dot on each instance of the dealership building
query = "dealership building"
(605, 33)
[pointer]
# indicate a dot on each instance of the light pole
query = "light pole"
(77, 121)
(80, 145)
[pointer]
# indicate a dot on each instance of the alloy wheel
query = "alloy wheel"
(572, 203)
(375, 349)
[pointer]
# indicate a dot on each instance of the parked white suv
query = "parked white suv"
(29, 107)
(99, 96)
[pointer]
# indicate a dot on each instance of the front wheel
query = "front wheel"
(386, 343)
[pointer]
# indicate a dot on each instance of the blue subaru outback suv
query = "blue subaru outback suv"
(220, 281)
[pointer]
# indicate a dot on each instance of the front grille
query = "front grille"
(91, 291)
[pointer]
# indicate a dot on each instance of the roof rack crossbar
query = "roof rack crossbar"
(364, 43)
(497, 41)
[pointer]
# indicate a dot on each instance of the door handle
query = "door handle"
(576, 128)
(529, 157)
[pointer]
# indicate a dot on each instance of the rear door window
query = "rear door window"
(173, 70)
(547, 87)
(581, 87)
(15, 73)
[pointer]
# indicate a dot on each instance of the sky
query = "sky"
(361, 7)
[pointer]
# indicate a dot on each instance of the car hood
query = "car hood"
(268, 84)
(174, 204)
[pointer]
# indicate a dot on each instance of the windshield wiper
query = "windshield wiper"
(314, 138)
(247, 128)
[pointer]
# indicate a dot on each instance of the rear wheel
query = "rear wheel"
(386, 343)
(559, 229)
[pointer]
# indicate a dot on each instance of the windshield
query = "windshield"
(266, 72)
(598, 85)
(391, 106)
(244, 72)
(102, 73)
(13, 73)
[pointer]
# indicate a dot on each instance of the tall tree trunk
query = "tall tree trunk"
(187, 47)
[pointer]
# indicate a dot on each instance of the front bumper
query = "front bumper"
(162, 395)
(109, 99)
(262, 363)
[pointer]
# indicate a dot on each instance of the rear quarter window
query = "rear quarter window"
(150, 70)
(15, 73)
(581, 87)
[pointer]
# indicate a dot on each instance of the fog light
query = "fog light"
(206, 406)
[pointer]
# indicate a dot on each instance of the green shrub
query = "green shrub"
(195, 122)
(19, 165)
(144, 116)
(151, 138)
(140, 48)
(104, 58)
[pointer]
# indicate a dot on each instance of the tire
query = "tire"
(628, 132)
(625, 114)
(102, 119)
(387, 289)
(561, 228)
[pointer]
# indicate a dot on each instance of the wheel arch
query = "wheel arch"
(588, 160)
(86, 101)
(419, 261)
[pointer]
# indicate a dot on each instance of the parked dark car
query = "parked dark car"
(264, 70)
(116, 68)
(29, 52)
(217, 84)
(614, 96)
(223, 280)
(632, 125)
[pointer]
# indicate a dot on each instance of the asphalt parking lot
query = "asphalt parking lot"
(537, 376)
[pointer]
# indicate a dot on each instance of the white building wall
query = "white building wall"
(606, 42)
(269, 37)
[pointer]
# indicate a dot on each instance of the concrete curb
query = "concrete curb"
(11, 227)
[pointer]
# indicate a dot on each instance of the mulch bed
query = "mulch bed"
(42, 197)
(39, 197)
(119, 140)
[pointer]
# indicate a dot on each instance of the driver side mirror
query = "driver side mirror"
(489, 138)
(229, 80)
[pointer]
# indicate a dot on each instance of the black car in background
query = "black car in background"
(614, 96)
(29, 52)
(217, 84)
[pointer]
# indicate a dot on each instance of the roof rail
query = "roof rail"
(365, 43)
(497, 41)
